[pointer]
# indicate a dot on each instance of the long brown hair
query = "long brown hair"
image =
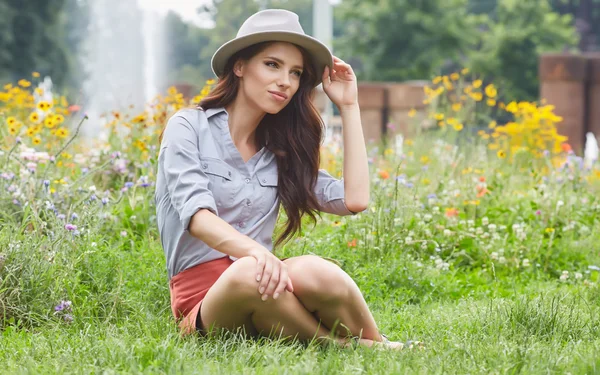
(293, 135)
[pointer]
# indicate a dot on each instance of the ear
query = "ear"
(238, 68)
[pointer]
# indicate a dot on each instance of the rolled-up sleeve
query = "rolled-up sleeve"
(330, 194)
(186, 183)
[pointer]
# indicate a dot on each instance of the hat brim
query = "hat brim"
(321, 55)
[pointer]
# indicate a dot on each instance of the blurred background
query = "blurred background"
(117, 54)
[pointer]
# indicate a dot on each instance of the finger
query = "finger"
(275, 277)
(264, 283)
(283, 281)
(325, 76)
(260, 267)
(289, 287)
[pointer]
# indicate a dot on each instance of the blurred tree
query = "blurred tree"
(509, 47)
(32, 39)
(397, 40)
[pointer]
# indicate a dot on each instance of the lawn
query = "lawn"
(478, 242)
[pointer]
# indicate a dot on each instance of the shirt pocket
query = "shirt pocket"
(220, 176)
(267, 191)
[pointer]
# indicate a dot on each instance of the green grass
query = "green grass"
(484, 295)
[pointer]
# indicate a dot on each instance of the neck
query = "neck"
(243, 121)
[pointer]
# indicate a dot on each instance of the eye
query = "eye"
(269, 63)
(298, 73)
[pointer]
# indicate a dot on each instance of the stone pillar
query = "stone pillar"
(372, 101)
(402, 97)
(563, 84)
(593, 100)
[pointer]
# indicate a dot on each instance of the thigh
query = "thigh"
(227, 303)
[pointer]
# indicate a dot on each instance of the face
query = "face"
(270, 79)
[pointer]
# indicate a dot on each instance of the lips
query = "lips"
(282, 95)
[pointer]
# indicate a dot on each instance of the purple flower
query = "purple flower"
(129, 184)
(63, 306)
(74, 216)
(68, 318)
(18, 140)
(46, 183)
(116, 155)
(61, 216)
(84, 170)
(546, 153)
(409, 185)
(93, 197)
(538, 212)
(105, 201)
(432, 196)
(70, 227)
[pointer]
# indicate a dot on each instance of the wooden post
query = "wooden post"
(372, 101)
(593, 99)
(563, 84)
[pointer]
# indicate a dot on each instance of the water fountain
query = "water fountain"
(122, 60)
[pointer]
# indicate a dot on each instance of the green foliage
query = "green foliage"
(401, 40)
(509, 49)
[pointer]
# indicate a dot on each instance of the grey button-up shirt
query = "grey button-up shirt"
(199, 167)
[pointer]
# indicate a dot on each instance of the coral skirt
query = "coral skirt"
(189, 287)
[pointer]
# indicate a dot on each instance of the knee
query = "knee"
(316, 278)
(242, 276)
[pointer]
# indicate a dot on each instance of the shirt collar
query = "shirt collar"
(213, 111)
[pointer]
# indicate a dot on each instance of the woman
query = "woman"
(225, 168)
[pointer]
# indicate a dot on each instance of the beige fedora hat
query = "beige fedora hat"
(273, 25)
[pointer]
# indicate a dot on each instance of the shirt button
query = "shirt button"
(264, 181)
(242, 224)
(248, 202)
(247, 180)
(204, 165)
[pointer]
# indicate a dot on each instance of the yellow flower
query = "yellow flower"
(35, 74)
(210, 82)
(30, 131)
(39, 91)
(477, 83)
(491, 102)
(454, 76)
(24, 83)
(44, 106)
(452, 121)
(425, 159)
(58, 119)
(34, 117)
(491, 91)
(512, 107)
(439, 116)
(12, 129)
(62, 132)
(485, 136)
(465, 71)
(501, 154)
(8, 86)
(412, 113)
(49, 122)
(409, 142)
(172, 90)
(549, 230)
(139, 119)
(456, 107)
(437, 80)
(197, 99)
(493, 146)
(492, 124)
(458, 127)
(426, 181)
(36, 141)
(477, 96)
(11, 121)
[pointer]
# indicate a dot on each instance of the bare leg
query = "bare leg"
(327, 291)
(234, 302)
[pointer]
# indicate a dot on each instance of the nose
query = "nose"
(284, 81)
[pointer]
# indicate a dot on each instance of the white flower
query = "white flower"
(124, 233)
(559, 204)
(436, 209)
(93, 244)
(447, 232)
(485, 221)
(470, 222)
(92, 188)
(564, 276)
(408, 239)
(494, 255)
(526, 262)
(427, 217)
(492, 227)
(578, 275)
(502, 260)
